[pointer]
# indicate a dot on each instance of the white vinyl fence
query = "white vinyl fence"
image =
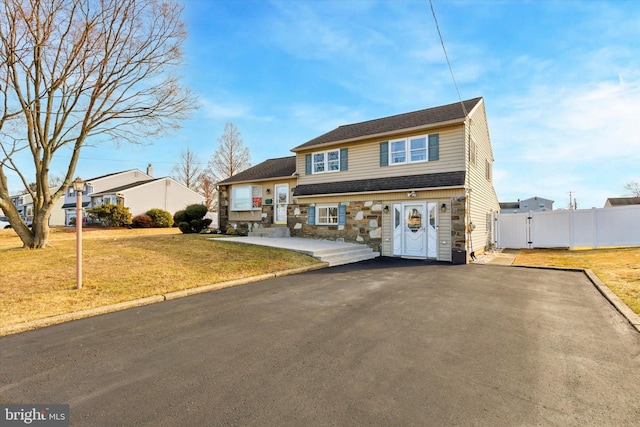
(591, 228)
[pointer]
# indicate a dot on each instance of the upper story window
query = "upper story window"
(326, 161)
(413, 149)
(488, 172)
(246, 197)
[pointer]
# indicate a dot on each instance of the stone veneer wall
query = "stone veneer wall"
(363, 224)
(458, 231)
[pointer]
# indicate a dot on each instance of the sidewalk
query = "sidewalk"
(497, 257)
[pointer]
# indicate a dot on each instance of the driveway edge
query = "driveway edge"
(90, 312)
(614, 300)
(622, 308)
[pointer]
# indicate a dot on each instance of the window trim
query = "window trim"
(318, 216)
(325, 161)
(408, 151)
(255, 192)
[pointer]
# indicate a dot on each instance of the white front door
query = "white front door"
(415, 228)
(414, 233)
(280, 202)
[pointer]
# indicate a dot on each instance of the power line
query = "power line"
(433, 12)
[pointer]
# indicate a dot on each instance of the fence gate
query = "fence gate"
(585, 228)
(512, 231)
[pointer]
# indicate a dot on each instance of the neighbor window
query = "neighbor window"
(326, 215)
(246, 198)
(326, 161)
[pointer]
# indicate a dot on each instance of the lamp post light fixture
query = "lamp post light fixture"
(78, 187)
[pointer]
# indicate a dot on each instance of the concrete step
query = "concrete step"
(342, 256)
(270, 232)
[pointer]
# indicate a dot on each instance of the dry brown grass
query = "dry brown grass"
(121, 265)
(618, 268)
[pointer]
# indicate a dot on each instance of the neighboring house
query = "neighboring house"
(24, 204)
(416, 185)
(533, 204)
(140, 196)
(134, 189)
(98, 185)
(621, 201)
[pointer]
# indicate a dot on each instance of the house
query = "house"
(533, 204)
(134, 189)
(259, 195)
(24, 204)
(621, 201)
(415, 185)
(140, 196)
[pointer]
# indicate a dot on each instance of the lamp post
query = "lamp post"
(78, 187)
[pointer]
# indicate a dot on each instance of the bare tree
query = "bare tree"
(231, 156)
(74, 72)
(188, 170)
(207, 187)
(633, 188)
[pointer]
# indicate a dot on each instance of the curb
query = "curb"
(614, 300)
(90, 312)
(619, 305)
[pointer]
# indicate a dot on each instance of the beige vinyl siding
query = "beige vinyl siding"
(364, 159)
(388, 197)
(482, 199)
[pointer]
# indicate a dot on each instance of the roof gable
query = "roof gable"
(283, 167)
(623, 201)
(123, 187)
(415, 119)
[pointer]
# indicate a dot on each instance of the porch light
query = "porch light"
(386, 209)
(443, 208)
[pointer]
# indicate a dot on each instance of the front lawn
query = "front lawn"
(121, 265)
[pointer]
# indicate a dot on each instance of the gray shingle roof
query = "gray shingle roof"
(273, 168)
(429, 116)
(623, 201)
(509, 205)
(124, 187)
(432, 180)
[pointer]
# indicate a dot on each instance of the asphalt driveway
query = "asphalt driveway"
(383, 342)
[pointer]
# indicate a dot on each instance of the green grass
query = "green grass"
(122, 265)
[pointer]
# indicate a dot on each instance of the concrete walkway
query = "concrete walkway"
(497, 257)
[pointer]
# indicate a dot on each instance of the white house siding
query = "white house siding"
(482, 199)
(364, 158)
(99, 185)
(164, 193)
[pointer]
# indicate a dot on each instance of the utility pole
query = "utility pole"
(573, 203)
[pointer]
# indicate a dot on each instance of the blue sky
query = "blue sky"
(560, 79)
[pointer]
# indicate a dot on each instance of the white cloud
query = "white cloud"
(323, 118)
(230, 111)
